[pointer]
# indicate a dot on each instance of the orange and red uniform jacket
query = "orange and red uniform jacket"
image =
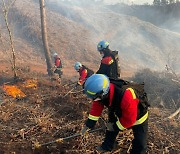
(83, 72)
(58, 63)
(128, 107)
(108, 66)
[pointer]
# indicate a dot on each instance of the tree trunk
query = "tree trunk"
(44, 37)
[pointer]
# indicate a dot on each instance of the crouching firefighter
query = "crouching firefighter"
(84, 73)
(124, 111)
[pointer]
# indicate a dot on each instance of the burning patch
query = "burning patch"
(13, 91)
(30, 84)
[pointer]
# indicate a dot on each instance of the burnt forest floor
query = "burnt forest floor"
(46, 114)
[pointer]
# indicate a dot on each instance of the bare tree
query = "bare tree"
(5, 8)
(44, 37)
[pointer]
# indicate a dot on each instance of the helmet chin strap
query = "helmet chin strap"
(104, 100)
(100, 96)
(97, 99)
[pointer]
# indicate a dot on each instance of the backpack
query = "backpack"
(116, 59)
(89, 71)
(122, 85)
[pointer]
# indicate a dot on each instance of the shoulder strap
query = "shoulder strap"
(119, 82)
(116, 102)
(115, 57)
(89, 71)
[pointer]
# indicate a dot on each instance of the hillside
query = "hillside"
(74, 31)
(46, 109)
(63, 35)
(140, 43)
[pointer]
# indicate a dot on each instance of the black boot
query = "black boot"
(109, 140)
(101, 150)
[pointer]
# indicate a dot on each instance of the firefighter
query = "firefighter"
(124, 113)
(84, 72)
(110, 65)
(58, 65)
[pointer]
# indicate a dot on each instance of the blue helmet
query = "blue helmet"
(102, 45)
(96, 86)
(55, 54)
(77, 66)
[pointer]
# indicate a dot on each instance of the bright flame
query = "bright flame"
(13, 91)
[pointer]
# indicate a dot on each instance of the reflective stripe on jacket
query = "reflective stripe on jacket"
(138, 122)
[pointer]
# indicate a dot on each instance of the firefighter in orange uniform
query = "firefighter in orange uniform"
(58, 65)
(110, 65)
(124, 112)
(84, 72)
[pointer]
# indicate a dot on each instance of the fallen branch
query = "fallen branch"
(68, 92)
(174, 114)
(77, 91)
(60, 140)
(70, 84)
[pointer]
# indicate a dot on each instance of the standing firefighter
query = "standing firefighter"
(58, 65)
(84, 72)
(110, 61)
(124, 111)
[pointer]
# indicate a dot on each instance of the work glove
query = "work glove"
(76, 86)
(110, 126)
(84, 131)
(54, 67)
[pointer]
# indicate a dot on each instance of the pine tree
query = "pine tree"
(157, 2)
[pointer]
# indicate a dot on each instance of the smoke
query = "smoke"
(109, 2)
(141, 44)
(128, 1)
(75, 2)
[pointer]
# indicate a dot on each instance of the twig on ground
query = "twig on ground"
(173, 114)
